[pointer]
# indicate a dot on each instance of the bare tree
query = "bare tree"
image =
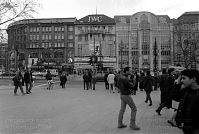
(187, 47)
(11, 10)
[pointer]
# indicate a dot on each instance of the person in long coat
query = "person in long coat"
(63, 80)
(148, 87)
(28, 81)
(18, 83)
(86, 78)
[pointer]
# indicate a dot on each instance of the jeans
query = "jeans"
(127, 100)
(28, 86)
(20, 87)
(148, 97)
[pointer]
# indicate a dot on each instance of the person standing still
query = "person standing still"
(28, 81)
(63, 79)
(125, 95)
(105, 80)
(86, 79)
(111, 81)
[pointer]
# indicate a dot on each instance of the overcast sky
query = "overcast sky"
(82, 8)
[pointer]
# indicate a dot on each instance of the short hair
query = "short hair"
(191, 73)
(170, 70)
(164, 71)
(148, 73)
(126, 69)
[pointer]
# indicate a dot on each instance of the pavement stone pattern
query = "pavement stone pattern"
(77, 111)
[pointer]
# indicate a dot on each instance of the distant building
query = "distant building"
(186, 40)
(3, 56)
(42, 43)
(136, 35)
(95, 35)
(142, 41)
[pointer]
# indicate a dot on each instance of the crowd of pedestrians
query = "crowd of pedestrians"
(175, 86)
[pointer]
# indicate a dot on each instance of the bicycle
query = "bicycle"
(50, 85)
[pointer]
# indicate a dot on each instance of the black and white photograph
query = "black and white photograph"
(99, 67)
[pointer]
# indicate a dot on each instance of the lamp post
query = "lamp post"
(155, 56)
(121, 48)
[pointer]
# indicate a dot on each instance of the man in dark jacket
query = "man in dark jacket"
(105, 81)
(166, 87)
(28, 81)
(189, 104)
(86, 78)
(148, 87)
(49, 79)
(63, 79)
(18, 83)
(125, 95)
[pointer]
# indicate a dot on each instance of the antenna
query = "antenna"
(96, 10)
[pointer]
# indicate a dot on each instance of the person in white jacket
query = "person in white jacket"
(110, 80)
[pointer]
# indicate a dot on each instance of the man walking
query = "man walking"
(126, 99)
(188, 106)
(18, 83)
(148, 87)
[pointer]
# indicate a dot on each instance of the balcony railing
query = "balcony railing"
(92, 31)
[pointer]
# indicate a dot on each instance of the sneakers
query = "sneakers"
(122, 126)
(158, 111)
(135, 127)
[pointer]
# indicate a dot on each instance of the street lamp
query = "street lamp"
(155, 56)
(121, 49)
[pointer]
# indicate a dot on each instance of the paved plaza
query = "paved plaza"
(77, 111)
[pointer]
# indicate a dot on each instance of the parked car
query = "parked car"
(36, 73)
(54, 72)
(8, 73)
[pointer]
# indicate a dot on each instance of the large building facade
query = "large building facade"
(95, 36)
(42, 43)
(143, 41)
(139, 36)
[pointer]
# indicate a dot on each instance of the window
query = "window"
(62, 36)
(70, 28)
(70, 37)
(70, 44)
(37, 37)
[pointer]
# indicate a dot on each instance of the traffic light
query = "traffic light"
(90, 60)
(94, 59)
(96, 49)
(33, 61)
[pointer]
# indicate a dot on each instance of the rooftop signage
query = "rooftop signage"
(96, 19)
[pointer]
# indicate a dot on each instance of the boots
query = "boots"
(122, 126)
(133, 126)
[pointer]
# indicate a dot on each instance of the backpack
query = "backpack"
(15, 79)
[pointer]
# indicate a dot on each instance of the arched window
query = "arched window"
(59, 54)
